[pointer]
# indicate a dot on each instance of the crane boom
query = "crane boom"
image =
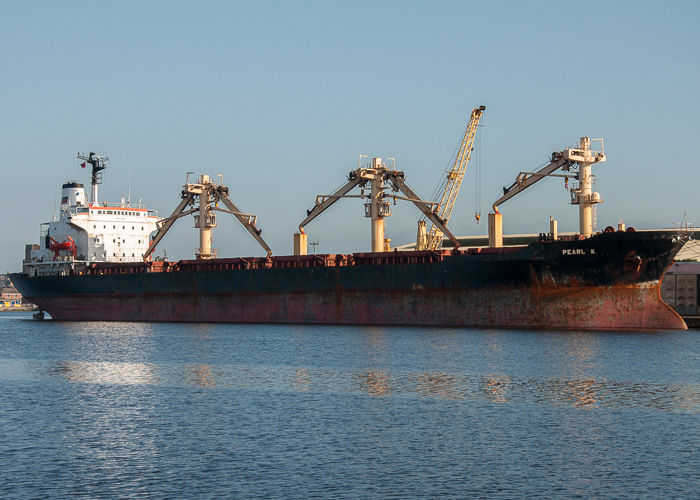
(396, 179)
(165, 225)
(324, 202)
(526, 179)
(454, 180)
(246, 220)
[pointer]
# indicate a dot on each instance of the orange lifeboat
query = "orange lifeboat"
(68, 246)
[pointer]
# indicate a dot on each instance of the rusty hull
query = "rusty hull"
(607, 282)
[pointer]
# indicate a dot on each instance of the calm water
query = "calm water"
(98, 410)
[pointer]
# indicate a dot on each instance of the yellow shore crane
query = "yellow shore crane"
(431, 240)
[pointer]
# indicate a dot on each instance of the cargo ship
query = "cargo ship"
(606, 280)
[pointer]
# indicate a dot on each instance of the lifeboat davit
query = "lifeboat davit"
(68, 246)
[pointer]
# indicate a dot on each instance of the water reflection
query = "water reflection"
(116, 329)
(439, 385)
(381, 383)
(201, 375)
(375, 382)
(585, 392)
(577, 353)
(497, 387)
(375, 344)
(301, 380)
(103, 372)
(582, 351)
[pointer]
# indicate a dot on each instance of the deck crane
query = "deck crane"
(378, 178)
(431, 240)
(208, 194)
(575, 162)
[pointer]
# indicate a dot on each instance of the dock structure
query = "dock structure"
(679, 289)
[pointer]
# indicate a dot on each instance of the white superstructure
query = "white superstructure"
(84, 232)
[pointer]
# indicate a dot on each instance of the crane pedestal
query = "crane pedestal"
(300, 243)
(495, 230)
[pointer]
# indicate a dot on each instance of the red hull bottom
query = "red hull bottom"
(631, 307)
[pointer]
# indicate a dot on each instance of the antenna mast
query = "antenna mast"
(98, 164)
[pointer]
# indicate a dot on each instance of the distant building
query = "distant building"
(11, 297)
(679, 288)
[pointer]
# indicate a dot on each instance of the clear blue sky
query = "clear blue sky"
(281, 98)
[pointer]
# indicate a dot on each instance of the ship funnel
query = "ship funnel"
(72, 193)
